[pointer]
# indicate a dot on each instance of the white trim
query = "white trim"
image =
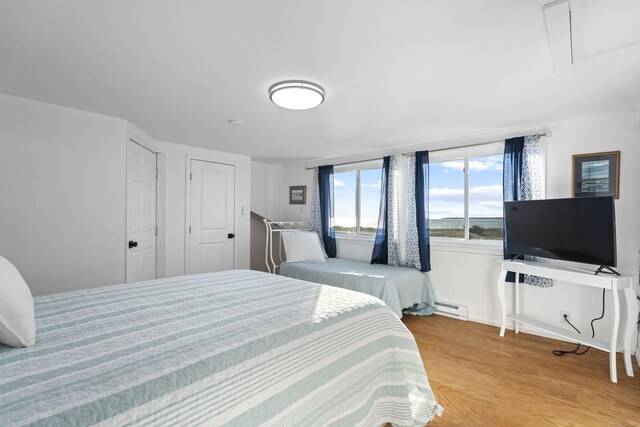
(465, 208)
(237, 209)
(161, 217)
(638, 355)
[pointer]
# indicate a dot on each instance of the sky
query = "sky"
(446, 191)
(446, 188)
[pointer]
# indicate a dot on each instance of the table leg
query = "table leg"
(503, 302)
(613, 343)
(629, 326)
(516, 325)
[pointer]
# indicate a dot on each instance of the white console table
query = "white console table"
(620, 287)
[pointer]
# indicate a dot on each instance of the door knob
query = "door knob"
(231, 235)
(133, 244)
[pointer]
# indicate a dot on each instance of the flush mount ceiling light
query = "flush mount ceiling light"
(296, 95)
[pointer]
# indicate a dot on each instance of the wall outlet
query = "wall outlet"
(564, 313)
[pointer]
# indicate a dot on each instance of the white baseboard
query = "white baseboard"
(523, 328)
(638, 355)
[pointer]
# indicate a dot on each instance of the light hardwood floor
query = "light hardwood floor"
(481, 379)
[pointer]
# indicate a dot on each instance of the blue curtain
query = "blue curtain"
(325, 185)
(511, 179)
(380, 254)
(422, 209)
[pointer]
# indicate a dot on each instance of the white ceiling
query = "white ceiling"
(395, 72)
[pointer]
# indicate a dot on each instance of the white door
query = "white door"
(141, 213)
(211, 237)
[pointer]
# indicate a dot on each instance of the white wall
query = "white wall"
(292, 176)
(63, 196)
(62, 204)
(266, 190)
(467, 276)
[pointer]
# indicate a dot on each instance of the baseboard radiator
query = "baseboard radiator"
(454, 310)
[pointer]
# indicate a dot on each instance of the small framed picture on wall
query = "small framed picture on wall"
(596, 174)
(298, 195)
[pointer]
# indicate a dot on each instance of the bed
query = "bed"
(234, 348)
(404, 290)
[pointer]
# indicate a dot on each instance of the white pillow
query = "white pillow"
(302, 246)
(17, 319)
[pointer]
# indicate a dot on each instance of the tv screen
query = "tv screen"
(580, 229)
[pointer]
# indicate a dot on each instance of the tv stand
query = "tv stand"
(620, 286)
(602, 269)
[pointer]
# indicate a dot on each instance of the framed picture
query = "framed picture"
(596, 174)
(298, 195)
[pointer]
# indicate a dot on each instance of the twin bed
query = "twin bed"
(236, 348)
(402, 289)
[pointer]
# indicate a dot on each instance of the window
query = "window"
(357, 198)
(465, 193)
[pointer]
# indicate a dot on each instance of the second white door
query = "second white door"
(211, 225)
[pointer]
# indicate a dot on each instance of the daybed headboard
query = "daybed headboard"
(275, 228)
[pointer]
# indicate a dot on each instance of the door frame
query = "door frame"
(187, 236)
(142, 140)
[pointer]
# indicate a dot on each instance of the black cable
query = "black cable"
(593, 334)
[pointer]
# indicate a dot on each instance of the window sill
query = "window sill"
(356, 239)
(438, 245)
(470, 247)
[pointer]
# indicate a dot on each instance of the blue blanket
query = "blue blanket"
(401, 288)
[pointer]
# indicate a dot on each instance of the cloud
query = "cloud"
(438, 192)
(493, 190)
(484, 200)
(457, 165)
(375, 185)
(489, 163)
(337, 182)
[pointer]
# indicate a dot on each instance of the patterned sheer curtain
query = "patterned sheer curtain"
(315, 222)
(403, 231)
(523, 176)
(401, 218)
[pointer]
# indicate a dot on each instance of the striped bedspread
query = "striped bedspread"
(238, 348)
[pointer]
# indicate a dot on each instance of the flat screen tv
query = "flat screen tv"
(581, 229)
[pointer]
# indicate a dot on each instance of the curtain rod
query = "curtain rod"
(547, 134)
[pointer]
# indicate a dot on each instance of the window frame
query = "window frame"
(465, 153)
(357, 167)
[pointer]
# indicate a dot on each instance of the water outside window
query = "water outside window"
(344, 194)
(370, 180)
(485, 197)
(347, 204)
(446, 199)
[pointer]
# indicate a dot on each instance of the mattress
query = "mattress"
(236, 348)
(401, 288)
